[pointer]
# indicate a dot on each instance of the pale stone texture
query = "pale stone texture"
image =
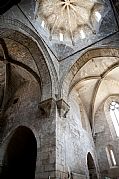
(40, 95)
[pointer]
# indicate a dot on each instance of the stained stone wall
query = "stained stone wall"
(73, 143)
(61, 126)
(25, 110)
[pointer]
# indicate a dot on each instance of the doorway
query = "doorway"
(91, 167)
(20, 157)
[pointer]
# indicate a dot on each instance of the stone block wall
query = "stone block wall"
(105, 135)
(73, 144)
(26, 111)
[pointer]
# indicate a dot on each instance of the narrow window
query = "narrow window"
(110, 156)
(61, 37)
(114, 112)
(82, 34)
(43, 24)
(98, 16)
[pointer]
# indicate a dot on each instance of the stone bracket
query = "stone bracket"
(62, 107)
(46, 107)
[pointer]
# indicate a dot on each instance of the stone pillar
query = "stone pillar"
(46, 166)
(61, 169)
(46, 153)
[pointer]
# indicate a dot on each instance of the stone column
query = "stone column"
(46, 153)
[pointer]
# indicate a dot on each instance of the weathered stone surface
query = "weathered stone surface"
(47, 90)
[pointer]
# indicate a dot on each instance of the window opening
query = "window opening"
(114, 112)
(111, 156)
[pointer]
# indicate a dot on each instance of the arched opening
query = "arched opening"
(91, 167)
(20, 156)
(114, 112)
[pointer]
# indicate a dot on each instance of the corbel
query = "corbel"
(46, 107)
(62, 107)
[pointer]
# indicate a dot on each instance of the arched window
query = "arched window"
(111, 156)
(114, 112)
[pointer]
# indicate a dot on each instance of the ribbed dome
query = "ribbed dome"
(69, 17)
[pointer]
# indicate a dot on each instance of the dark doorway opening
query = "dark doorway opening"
(91, 167)
(20, 156)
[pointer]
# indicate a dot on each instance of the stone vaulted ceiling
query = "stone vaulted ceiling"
(68, 26)
(70, 17)
(96, 81)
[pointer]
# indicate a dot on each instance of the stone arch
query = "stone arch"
(91, 167)
(21, 33)
(10, 132)
(20, 155)
(67, 82)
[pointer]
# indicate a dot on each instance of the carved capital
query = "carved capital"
(62, 107)
(46, 107)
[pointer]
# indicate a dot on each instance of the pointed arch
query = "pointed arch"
(19, 32)
(67, 81)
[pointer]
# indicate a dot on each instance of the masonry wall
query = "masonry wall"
(105, 135)
(73, 143)
(24, 111)
(62, 143)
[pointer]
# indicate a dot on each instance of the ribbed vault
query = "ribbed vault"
(95, 81)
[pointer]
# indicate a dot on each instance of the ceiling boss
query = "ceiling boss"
(69, 18)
